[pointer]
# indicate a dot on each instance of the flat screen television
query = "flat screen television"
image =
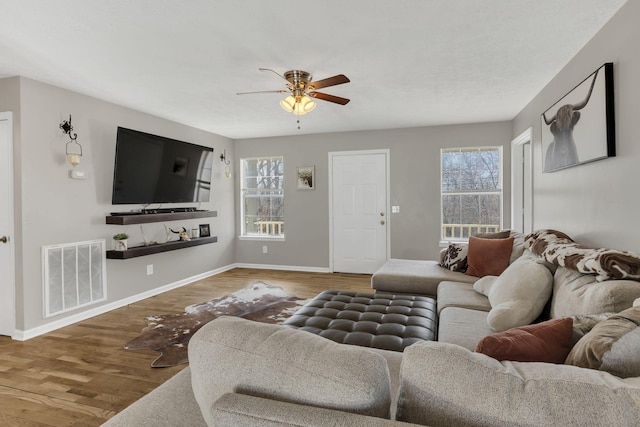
(154, 169)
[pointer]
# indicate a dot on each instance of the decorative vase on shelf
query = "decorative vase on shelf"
(120, 242)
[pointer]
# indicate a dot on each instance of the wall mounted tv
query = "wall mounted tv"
(154, 169)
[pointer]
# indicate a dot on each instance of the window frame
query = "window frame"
(444, 240)
(243, 232)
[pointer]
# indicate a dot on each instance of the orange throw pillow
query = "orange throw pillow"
(488, 257)
(549, 341)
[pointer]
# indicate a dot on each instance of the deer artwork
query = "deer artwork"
(562, 151)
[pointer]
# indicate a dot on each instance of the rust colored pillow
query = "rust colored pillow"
(499, 235)
(488, 257)
(548, 341)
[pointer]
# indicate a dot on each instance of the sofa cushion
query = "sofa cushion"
(170, 404)
(462, 326)
(488, 257)
(416, 277)
(612, 345)
(232, 354)
(238, 410)
(457, 294)
(578, 293)
(519, 294)
(548, 341)
(447, 385)
(455, 258)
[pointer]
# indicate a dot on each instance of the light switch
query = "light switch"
(395, 209)
(78, 174)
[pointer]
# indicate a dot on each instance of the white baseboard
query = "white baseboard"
(283, 267)
(78, 317)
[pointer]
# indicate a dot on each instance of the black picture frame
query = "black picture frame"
(204, 230)
(580, 127)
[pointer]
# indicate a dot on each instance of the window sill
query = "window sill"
(446, 243)
(262, 238)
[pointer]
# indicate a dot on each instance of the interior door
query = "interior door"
(359, 201)
(7, 281)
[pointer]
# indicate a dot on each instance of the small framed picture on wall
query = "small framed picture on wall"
(306, 177)
(204, 230)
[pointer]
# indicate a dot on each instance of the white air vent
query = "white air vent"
(74, 276)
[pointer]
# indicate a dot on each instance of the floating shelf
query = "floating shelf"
(160, 247)
(158, 217)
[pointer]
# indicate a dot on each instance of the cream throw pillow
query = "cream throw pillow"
(519, 294)
(483, 285)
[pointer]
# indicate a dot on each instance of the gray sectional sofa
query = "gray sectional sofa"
(247, 373)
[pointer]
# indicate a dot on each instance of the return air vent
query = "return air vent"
(74, 276)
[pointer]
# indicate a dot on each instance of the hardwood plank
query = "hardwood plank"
(81, 375)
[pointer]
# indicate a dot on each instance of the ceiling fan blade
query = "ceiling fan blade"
(330, 98)
(274, 72)
(330, 81)
(263, 91)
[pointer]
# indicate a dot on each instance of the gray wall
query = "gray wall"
(51, 208)
(415, 187)
(597, 203)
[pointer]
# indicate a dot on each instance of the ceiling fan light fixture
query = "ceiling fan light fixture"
(304, 106)
(300, 106)
(288, 104)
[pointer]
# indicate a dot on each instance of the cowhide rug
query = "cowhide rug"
(169, 334)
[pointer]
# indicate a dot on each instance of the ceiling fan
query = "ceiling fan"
(301, 89)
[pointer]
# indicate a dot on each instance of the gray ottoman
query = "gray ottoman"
(384, 321)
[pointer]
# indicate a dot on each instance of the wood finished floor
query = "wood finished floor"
(80, 375)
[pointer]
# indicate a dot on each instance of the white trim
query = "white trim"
(57, 324)
(517, 179)
(283, 267)
(263, 238)
(387, 154)
(10, 276)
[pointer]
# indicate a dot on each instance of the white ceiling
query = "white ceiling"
(411, 62)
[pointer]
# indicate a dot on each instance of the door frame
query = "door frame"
(518, 181)
(10, 275)
(332, 155)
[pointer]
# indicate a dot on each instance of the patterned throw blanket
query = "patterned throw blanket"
(607, 264)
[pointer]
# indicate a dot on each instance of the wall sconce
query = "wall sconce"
(73, 148)
(227, 168)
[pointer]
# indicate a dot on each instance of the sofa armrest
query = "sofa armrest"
(231, 354)
(445, 384)
(234, 409)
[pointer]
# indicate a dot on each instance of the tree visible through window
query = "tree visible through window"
(471, 191)
(263, 197)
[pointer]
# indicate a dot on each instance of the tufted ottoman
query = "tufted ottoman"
(385, 321)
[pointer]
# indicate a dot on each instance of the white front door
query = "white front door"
(7, 267)
(522, 183)
(358, 210)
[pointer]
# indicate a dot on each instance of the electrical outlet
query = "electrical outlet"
(265, 249)
(149, 269)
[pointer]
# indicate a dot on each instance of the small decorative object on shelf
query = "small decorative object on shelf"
(184, 237)
(120, 241)
(204, 230)
(195, 233)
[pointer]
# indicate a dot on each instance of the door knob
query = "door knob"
(381, 213)
(382, 222)
(4, 239)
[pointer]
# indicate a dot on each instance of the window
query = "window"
(262, 194)
(471, 190)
